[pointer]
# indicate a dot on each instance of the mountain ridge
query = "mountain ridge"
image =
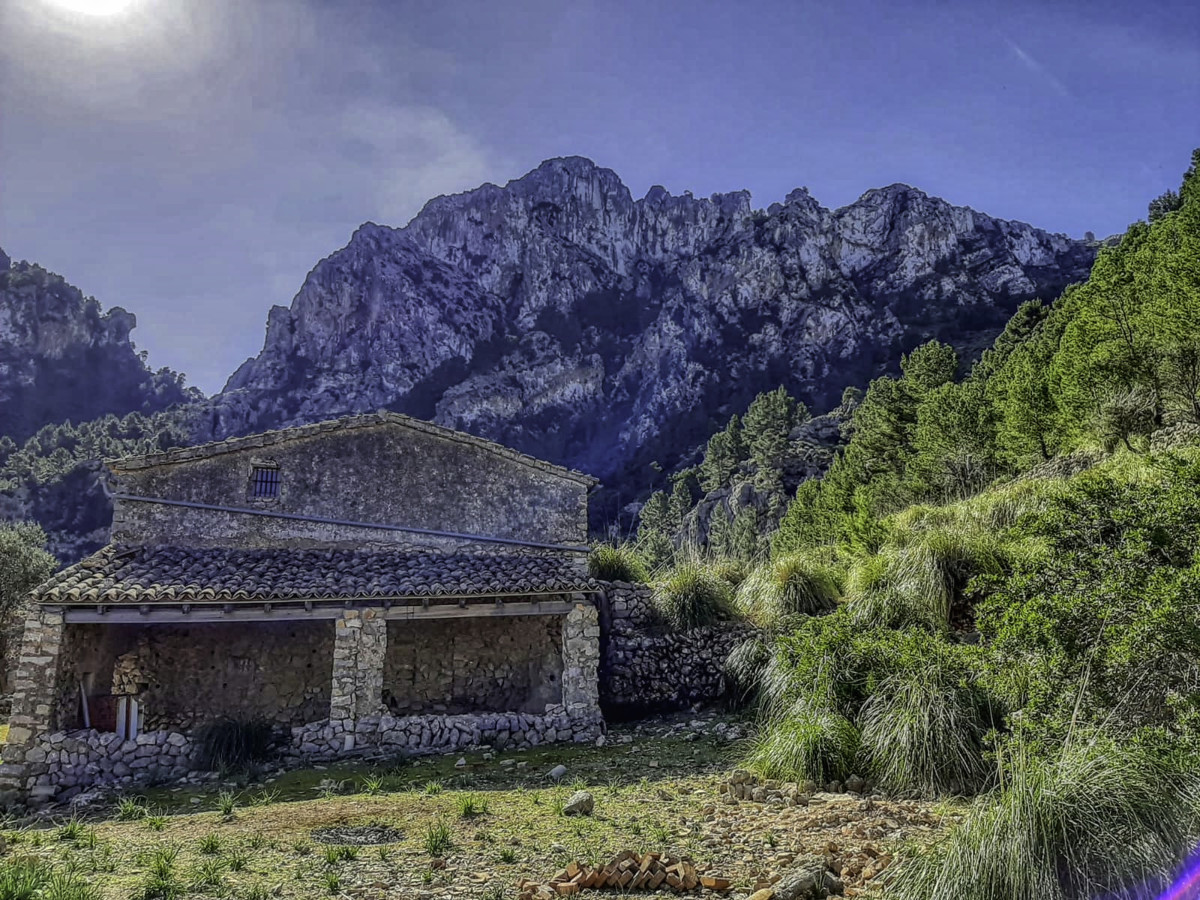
(562, 316)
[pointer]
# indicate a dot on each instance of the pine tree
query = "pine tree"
(720, 530)
(744, 540)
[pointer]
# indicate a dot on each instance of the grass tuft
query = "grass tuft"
(617, 563)
(922, 730)
(810, 743)
(691, 596)
(130, 809)
(438, 839)
(1094, 820)
(787, 587)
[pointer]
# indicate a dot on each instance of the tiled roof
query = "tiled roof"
(163, 574)
(367, 420)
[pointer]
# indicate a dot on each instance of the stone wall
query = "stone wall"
(66, 762)
(647, 667)
(191, 674)
(463, 665)
(185, 675)
(380, 472)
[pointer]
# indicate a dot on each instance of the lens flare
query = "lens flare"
(1187, 885)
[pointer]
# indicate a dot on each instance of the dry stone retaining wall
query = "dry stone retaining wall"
(65, 763)
(648, 667)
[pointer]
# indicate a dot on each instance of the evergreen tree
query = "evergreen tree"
(726, 450)
(720, 530)
(745, 537)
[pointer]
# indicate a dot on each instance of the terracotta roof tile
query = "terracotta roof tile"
(167, 574)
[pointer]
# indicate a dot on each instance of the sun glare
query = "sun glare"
(93, 7)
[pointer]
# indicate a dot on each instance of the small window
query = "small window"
(265, 482)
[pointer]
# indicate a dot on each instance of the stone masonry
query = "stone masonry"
(32, 701)
(258, 579)
(647, 666)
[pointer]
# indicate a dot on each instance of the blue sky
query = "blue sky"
(191, 160)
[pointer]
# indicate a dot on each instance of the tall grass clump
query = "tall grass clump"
(229, 744)
(690, 596)
(923, 729)
(743, 671)
(1093, 820)
(786, 587)
(810, 743)
(22, 879)
(617, 563)
(917, 579)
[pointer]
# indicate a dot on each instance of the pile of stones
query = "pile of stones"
(743, 785)
(627, 871)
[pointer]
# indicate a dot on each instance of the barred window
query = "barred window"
(265, 482)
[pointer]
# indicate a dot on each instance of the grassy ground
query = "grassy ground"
(470, 831)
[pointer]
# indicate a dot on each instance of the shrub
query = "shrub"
(743, 670)
(923, 729)
(917, 580)
(1093, 820)
(785, 587)
(691, 596)
(810, 743)
(228, 744)
(617, 563)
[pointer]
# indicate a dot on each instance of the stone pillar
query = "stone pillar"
(34, 678)
(359, 646)
(581, 662)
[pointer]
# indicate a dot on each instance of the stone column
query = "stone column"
(581, 662)
(359, 646)
(33, 684)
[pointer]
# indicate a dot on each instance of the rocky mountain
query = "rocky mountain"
(563, 317)
(62, 357)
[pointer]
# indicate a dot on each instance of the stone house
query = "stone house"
(371, 584)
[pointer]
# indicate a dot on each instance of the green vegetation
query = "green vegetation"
(229, 744)
(24, 563)
(1088, 820)
(809, 743)
(786, 587)
(690, 596)
(995, 589)
(617, 563)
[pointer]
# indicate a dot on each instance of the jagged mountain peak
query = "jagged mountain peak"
(561, 316)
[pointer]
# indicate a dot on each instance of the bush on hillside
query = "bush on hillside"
(690, 596)
(787, 587)
(617, 563)
(1104, 624)
(743, 671)
(1095, 819)
(810, 743)
(923, 729)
